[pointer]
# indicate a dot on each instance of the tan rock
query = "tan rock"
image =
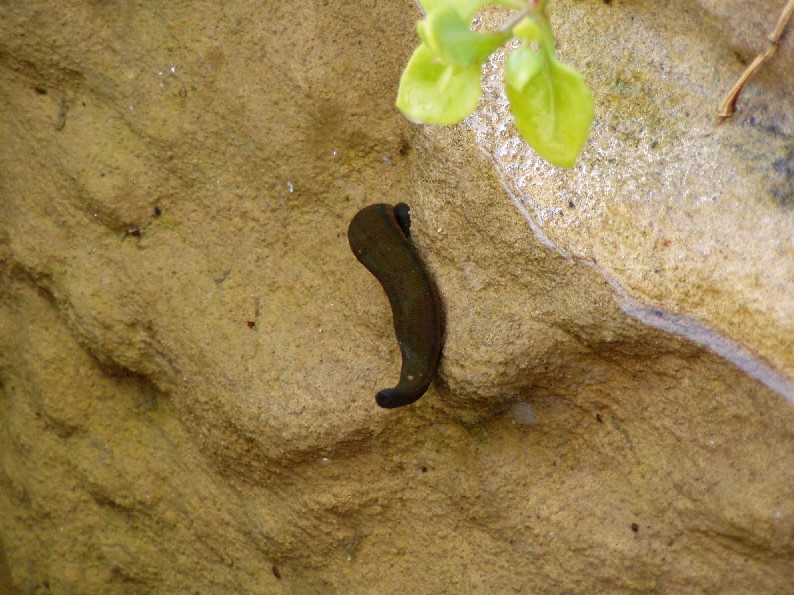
(170, 173)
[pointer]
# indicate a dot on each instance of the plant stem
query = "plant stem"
(727, 106)
(508, 26)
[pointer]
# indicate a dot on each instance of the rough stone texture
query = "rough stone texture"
(676, 211)
(170, 172)
(745, 28)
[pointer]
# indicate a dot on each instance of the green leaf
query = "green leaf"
(437, 93)
(448, 35)
(522, 65)
(528, 30)
(551, 104)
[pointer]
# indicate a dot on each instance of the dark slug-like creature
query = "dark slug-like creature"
(379, 236)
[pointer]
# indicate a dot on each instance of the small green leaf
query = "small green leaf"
(448, 35)
(551, 104)
(528, 30)
(436, 93)
(522, 65)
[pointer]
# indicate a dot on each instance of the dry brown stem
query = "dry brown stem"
(727, 106)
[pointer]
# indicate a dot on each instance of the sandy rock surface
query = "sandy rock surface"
(189, 350)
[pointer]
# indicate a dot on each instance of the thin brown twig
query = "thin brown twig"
(516, 18)
(727, 106)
